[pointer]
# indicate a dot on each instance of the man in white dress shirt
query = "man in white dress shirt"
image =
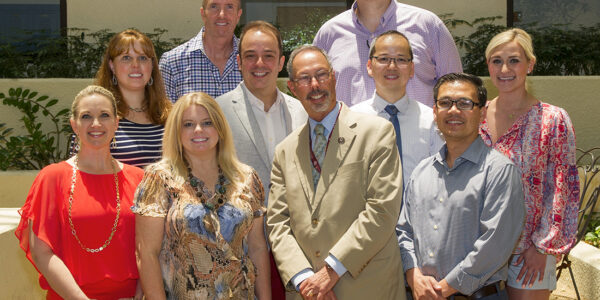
(390, 65)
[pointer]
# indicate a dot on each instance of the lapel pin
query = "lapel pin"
(341, 140)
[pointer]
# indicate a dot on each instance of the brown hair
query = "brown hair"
(155, 95)
(264, 27)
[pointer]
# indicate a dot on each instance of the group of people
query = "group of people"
(388, 175)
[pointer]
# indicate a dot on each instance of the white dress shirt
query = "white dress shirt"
(271, 123)
(419, 133)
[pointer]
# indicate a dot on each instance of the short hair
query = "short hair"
(172, 146)
(204, 2)
(389, 32)
(155, 95)
(92, 90)
(300, 49)
(463, 77)
(264, 27)
(514, 34)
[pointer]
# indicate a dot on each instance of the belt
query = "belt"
(485, 291)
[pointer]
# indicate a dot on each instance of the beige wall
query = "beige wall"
(181, 17)
(18, 279)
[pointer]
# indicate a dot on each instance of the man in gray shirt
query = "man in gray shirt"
(463, 209)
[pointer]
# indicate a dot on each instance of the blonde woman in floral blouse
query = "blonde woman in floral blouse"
(539, 138)
(199, 224)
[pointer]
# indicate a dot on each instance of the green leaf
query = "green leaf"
(42, 98)
(33, 94)
(25, 93)
(51, 103)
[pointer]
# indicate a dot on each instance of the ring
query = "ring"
(309, 294)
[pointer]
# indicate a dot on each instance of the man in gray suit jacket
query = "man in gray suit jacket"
(261, 116)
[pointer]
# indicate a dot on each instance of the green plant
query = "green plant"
(592, 235)
(38, 148)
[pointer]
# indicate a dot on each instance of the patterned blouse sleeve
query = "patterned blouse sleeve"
(257, 195)
(562, 186)
(151, 198)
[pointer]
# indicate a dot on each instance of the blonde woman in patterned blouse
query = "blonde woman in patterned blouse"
(199, 213)
(539, 138)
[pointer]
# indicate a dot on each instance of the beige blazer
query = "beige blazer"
(351, 214)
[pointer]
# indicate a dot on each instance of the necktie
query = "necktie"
(393, 112)
(319, 150)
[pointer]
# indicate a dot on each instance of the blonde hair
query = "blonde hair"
(155, 95)
(514, 34)
(92, 90)
(173, 156)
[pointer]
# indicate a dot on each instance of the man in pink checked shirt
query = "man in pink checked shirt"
(347, 37)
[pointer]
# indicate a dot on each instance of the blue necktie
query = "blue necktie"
(318, 150)
(393, 112)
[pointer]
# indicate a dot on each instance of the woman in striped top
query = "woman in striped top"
(130, 71)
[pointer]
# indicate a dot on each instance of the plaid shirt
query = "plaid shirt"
(187, 69)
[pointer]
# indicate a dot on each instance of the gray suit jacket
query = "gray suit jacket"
(249, 144)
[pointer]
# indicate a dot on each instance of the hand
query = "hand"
(534, 264)
(318, 285)
(423, 287)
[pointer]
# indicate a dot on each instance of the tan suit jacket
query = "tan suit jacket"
(351, 214)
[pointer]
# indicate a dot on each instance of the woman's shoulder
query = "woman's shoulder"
(129, 170)
(55, 170)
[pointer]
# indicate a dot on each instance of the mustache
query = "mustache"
(317, 92)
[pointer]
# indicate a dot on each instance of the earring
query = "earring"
(151, 81)
(114, 80)
(75, 145)
(113, 144)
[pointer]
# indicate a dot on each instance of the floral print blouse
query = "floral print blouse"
(204, 254)
(542, 143)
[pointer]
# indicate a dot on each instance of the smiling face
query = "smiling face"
(260, 61)
(220, 17)
(199, 137)
(458, 126)
(391, 78)
(95, 122)
(318, 98)
(508, 66)
(133, 68)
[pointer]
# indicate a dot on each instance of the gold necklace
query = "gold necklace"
(114, 228)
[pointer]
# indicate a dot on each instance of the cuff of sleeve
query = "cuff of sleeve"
(301, 276)
(409, 260)
(336, 265)
(463, 282)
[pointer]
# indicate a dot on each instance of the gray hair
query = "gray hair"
(300, 49)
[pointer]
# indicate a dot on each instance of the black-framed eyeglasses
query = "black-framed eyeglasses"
(461, 103)
(399, 61)
(305, 79)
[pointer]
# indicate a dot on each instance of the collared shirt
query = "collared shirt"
(187, 69)
(271, 123)
(328, 122)
(419, 133)
(542, 144)
(461, 223)
(347, 43)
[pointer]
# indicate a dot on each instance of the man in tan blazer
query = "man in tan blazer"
(335, 195)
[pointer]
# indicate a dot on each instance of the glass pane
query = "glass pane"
(549, 12)
(287, 13)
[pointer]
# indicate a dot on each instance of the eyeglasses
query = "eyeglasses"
(461, 104)
(399, 61)
(320, 76)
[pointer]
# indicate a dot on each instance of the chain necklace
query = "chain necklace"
(218, 198)
(114, 228)
(138, 110)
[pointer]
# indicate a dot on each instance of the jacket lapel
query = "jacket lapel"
(303, 165)
(341, 140)
(243, 110)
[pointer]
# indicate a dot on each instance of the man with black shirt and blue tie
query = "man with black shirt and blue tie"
(390, 65)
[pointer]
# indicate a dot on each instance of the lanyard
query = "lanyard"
(313, 158)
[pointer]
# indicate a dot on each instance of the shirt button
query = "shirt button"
(315, 221)
(430, 254)
(435, 227)
(318, 254)
(441, 200)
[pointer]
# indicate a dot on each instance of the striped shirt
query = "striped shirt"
(138, 144)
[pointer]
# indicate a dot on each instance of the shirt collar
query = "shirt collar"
(472, 154)
(379, 104)
(387, 15)
(197, 43)
(328, 121)
(254, 101)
